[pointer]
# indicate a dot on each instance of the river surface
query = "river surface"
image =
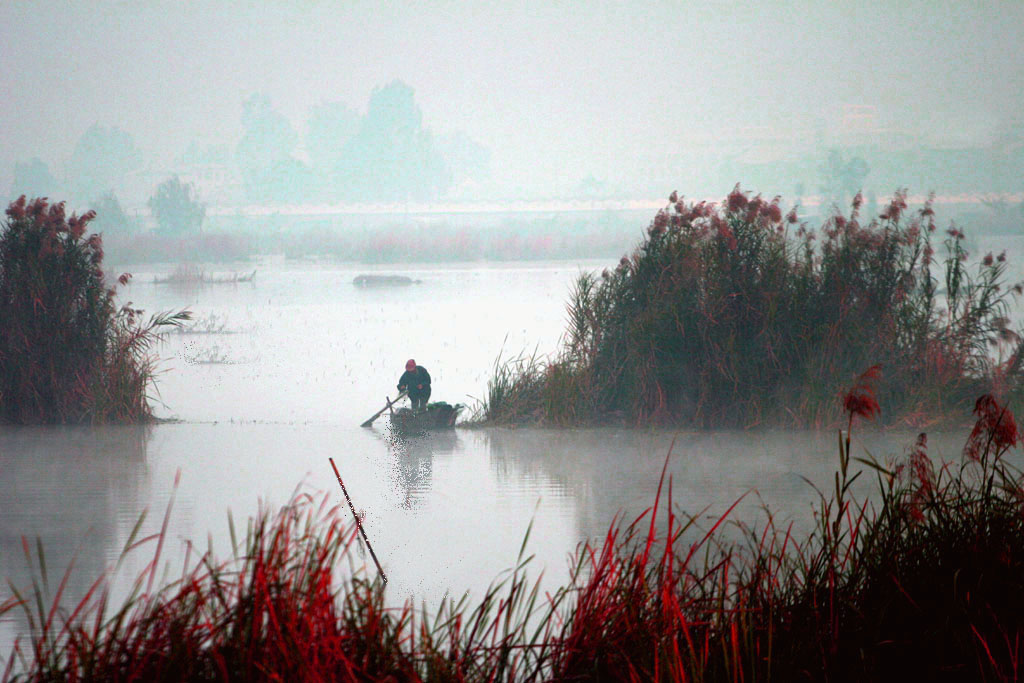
(279, 377)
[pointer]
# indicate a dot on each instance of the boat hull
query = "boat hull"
(436, 416)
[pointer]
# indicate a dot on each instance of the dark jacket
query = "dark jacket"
(410, 379)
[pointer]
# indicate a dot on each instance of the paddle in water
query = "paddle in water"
(386, 406)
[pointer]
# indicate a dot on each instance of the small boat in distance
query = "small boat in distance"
(383, 281)
(436, 416)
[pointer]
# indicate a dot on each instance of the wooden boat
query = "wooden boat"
(435, 416)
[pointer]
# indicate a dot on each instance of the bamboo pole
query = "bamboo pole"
(359, 524)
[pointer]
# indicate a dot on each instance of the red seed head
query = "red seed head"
(860, 400)
(736, 201)
(995, 429)
(76, 226)
(659, 224)
(16, 209)
(38, 207)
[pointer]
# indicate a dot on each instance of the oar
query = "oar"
(381, 411)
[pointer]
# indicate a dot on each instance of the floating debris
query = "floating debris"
(384, 281)
(193, 275)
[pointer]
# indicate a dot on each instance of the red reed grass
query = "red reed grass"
(68, 353)
(924, 581)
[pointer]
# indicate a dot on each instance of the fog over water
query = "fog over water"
(288, 367)
(489, 152)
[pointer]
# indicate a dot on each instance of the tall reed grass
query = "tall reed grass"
(924, 583)
(736, 315)
(68, 353)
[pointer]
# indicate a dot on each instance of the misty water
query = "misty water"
(291, 364)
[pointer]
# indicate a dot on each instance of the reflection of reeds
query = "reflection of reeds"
(738, 315)
(926, 584)
(213, 355)
(210, 324)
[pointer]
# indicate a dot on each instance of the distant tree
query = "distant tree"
(175, 208)
(392, 157)
(467, 159)
(331, 125)
(842, 178)
(196, 154)
(111, 218)
(32, 178)
(591, 187)
(100, 161)
(266, 153)
(798, 192)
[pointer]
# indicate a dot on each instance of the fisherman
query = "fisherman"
(415, 380)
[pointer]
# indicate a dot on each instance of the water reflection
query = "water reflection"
(68, 487)
(614, 471)
(413, 461)
(447, 512)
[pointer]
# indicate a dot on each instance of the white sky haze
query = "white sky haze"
(556, 91)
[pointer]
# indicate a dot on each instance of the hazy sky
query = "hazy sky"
(556, 90)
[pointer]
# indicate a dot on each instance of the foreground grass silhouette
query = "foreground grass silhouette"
(926, 582)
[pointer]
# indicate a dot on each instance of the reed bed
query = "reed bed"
(926, 582)
(68, 353)
(738, 315)
(207, 246)
(401, 242)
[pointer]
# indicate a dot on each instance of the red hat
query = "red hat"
(410, 364)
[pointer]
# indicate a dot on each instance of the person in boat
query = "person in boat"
(416, 381)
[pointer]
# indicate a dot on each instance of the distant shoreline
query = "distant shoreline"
(535, 206)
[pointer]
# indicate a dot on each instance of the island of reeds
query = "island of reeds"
(735, 314)
(68, 352)
(924, 583)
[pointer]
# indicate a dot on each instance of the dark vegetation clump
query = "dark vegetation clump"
(738, 315)
(68, 353)
(923, 581)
